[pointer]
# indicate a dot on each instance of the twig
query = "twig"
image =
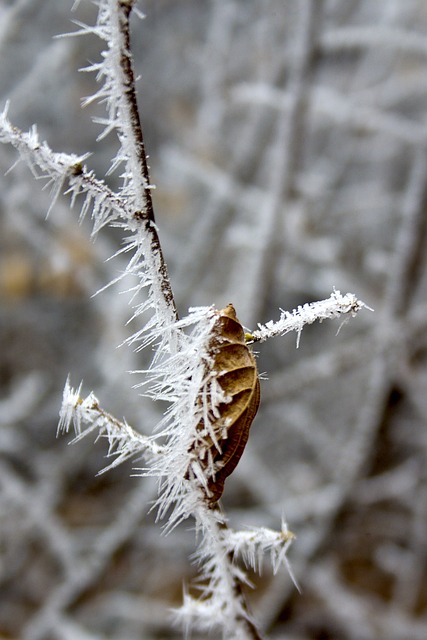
(335, 306)
(134, 135)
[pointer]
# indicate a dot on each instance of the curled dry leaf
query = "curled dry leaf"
(236, 372)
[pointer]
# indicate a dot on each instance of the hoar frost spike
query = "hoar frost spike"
(223, 441)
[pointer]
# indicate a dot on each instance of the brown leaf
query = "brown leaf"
(237, 374)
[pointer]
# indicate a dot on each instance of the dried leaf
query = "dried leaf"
(237, 375)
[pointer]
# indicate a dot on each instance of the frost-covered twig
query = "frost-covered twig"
(253, 544)
(333, 307)
(55, 168)
(119, 94)
(61, 170)
(87, 416)
(188, 382)
(132, 208)
(106, 207)
(184, 465)
(222, 605)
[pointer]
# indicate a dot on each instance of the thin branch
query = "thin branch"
(106, 207)
(87, 416)
(130, 105)
(334, 307)
(223, 604)
(252, 545)
(133, 133)
(118, 93)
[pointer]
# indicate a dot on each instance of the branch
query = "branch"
(128, 115)
(119, 94)
(252, 545)
(335, 306)
(128, 118)
(124, 442)
(223, 603)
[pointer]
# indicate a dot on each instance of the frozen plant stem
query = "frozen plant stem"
(135, 135)
(335, 306)
(224, 590)
(138, 156)
(119, 94)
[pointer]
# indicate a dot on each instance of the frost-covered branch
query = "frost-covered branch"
(131, 208)
(253, 544)
(222, 605)
(333, 307)
(185, 465)
(53, 167)
(117, 92)
(119, 95)
(86, 416)
(193, 440)
(60, 170)
(189, 381)
(63, 171)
